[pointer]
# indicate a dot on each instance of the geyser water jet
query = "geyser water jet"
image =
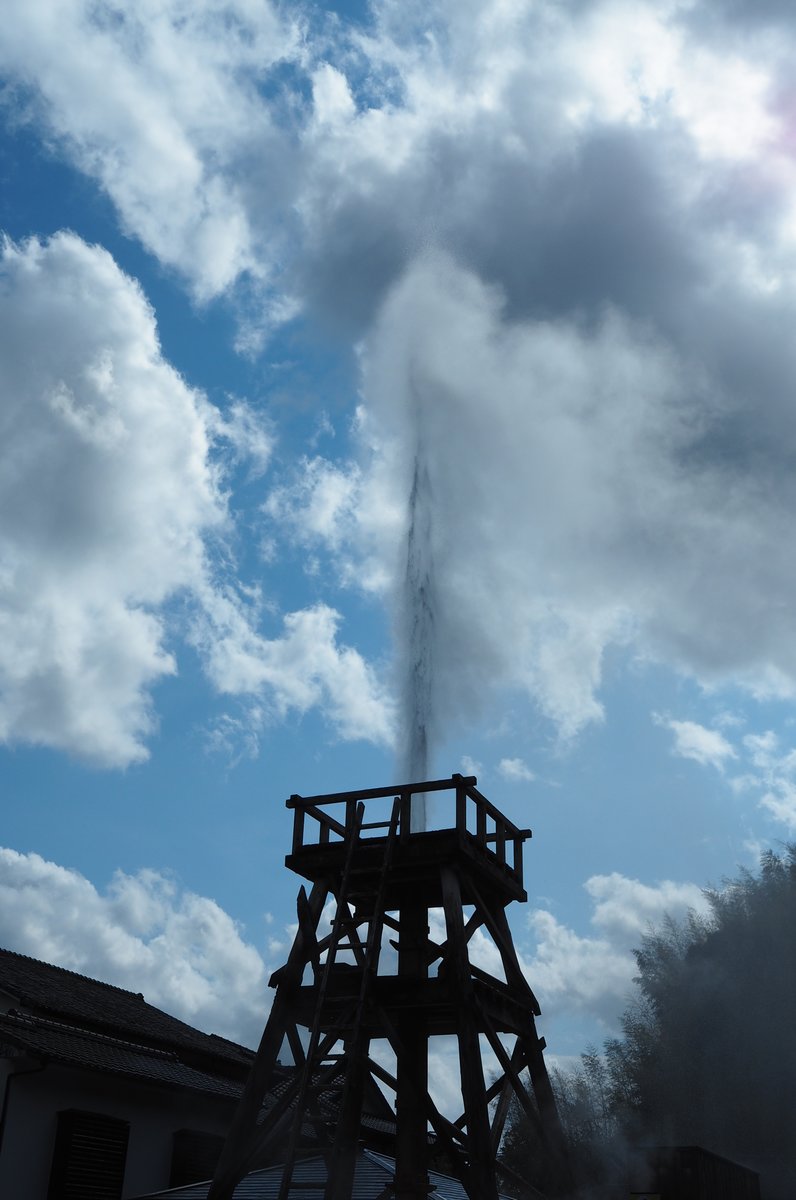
(419, 619)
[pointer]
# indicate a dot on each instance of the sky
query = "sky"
(370, 361)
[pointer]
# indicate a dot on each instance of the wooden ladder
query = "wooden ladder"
(320, 1067)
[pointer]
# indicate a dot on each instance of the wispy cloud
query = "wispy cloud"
(515, 770)
(706, 746)
(773, 776)
(763, 767)
(471, 767)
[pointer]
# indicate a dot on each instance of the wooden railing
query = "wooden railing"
(477, 820)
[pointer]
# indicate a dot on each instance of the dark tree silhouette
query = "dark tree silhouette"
(707, 1054)
(596, 1145)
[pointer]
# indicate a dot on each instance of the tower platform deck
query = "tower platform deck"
(436, 1004)
(479, 841)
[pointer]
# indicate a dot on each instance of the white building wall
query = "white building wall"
(154, 1113)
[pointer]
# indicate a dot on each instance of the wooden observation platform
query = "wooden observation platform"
(349, 988)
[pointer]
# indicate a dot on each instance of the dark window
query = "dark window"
(194, 1156)
(89, 1157)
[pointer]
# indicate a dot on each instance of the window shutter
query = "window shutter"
(89, 1157)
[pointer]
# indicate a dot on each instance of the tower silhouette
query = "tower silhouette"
(347, 989)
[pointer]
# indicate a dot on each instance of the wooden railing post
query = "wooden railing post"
(298, 826)
(406, 815)
(461, 811)
(500, 842)
(480, 816)
(517, 864)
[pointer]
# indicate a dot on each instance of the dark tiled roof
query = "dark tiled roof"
(373, 1171)
(62, 1017)
(86, 1049)
(379, 1124)
(64, 995)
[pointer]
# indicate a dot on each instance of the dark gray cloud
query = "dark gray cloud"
(729, 16)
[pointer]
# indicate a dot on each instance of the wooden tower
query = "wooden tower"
(359, 848)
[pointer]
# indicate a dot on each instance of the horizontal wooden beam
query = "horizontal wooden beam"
(432, 785)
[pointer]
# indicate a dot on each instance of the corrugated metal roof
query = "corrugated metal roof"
(371, 1174)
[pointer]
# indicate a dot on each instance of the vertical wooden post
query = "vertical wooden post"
(482, 1163)
(461, 811)
(406, 815)
(411, 1157)
(517, 862)
(232, 1163)
(342, 1160)
(562, 1180)
(298, 826)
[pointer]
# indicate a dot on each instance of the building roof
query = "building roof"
(55, 1042)
(373, 1171)
(40, 989)
(58, 1016)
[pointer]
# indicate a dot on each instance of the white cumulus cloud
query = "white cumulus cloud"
(113, 501)
(107, 493)
(161, 103)
(593, 973)
(304, 668)
(144, 933)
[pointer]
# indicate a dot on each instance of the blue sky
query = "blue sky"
(261, 265)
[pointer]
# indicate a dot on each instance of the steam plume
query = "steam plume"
(417, 684)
